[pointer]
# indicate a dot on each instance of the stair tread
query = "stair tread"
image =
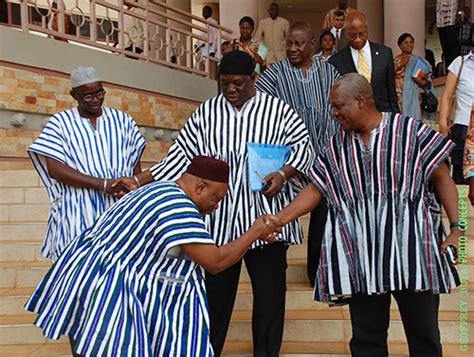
(16, 291)
(25, 264)
(339, 314)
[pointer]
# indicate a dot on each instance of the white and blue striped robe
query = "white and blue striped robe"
(123, 288)
(308, 94)
(218, 130)
(384, 224)
(111, 150)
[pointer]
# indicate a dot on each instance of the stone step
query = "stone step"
(25, 231)
(299, 296)
(19, 329)
(19, 178)
(332, 349)
(23, 250)
(22, 274)
(235, 349)
(56, 349)
(320, 327)
(23, 212)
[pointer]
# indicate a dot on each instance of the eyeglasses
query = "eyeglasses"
(89, 97)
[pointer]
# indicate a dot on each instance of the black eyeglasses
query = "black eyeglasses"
(89, 97)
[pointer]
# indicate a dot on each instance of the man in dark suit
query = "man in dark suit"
(338, 30)
(374, 61)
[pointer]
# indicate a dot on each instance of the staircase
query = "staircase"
(311, 328)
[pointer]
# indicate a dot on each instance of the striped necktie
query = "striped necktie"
(363, 66)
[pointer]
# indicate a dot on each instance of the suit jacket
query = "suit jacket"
(382, 78)
(342, 40)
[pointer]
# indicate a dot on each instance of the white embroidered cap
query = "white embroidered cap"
(84, 75)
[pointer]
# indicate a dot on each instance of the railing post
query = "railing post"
(168, 44)
(189, 51)
(93, 25)
(121, 34)
(25, 18)
(61, 26)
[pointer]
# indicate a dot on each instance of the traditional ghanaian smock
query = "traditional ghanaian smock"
(308, 94)
(111, 150)
(122, 288)
(217, 129)
(384, 224)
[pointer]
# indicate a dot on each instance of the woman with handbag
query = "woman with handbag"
(457, 98)
(412, 74)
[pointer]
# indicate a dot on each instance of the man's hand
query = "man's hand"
(123, 185)
(267, 228)
(452, 239)
(276, 184)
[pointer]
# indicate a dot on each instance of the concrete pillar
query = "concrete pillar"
(374, 12)
(232, 11)
(404, 16)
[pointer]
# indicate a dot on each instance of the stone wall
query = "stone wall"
(27, 89)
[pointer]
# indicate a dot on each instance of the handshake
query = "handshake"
(123, 185)
(266, 228)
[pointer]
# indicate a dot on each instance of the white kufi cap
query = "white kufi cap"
(84, 75)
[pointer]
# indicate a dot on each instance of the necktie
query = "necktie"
(337, 40)
(363, 66)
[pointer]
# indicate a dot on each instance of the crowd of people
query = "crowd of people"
(147, 263)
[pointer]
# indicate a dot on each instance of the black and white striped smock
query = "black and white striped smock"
(217, 129)
(308, 94)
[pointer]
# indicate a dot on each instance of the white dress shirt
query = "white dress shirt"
(367, 54)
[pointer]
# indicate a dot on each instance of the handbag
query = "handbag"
(429, 102)
(453, 103)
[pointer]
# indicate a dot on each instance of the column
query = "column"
(373, 10)
(402, 16)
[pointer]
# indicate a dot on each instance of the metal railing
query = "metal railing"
(149, 30)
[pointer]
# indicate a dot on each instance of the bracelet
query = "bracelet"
(105, 185)
(282, 174)
(454, 225)
(136, 180)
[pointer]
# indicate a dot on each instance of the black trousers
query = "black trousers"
(317, 222)
(267, 270)
(448, 37)
(370, 317)
(458, 135)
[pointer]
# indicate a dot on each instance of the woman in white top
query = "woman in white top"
(465, 97)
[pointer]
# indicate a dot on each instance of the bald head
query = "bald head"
(357, 30)
(353, 103)
(303, 27)
(354, 85)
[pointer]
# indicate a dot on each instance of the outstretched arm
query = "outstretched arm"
(216, 259)
(448, 194)
(307, 200)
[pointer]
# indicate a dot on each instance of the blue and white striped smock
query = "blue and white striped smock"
(384, 223)
(111, 150)
(122, 288)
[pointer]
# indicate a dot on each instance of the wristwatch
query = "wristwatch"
(454, 225)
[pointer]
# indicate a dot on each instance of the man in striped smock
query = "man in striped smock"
(222, 127)
(131, 285)
(304, 82)
(78, 154)
(384, 235)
